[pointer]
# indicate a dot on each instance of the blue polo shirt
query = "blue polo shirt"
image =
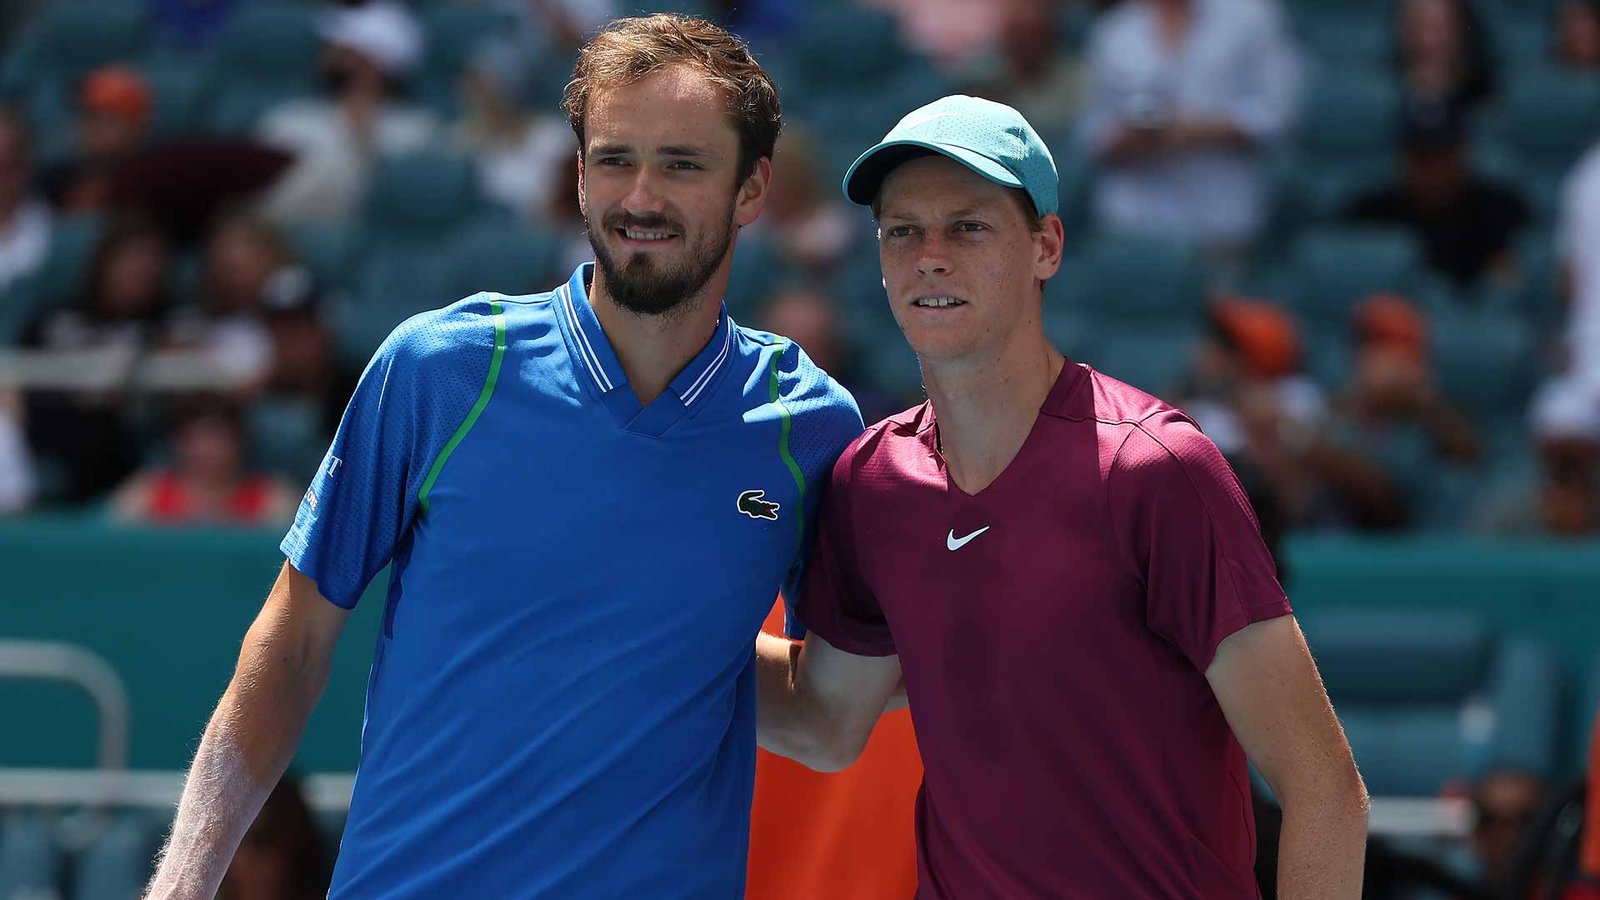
(562, 700)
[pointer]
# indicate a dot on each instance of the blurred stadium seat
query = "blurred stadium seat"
(267, 54)
(1431, 697)
(30, 860)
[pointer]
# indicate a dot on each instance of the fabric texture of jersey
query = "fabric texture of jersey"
(1054, 630)
(562, 699)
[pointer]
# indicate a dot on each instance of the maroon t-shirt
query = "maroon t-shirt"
(1054, 630)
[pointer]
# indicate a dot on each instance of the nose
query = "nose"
(934, 257)
(642, 196)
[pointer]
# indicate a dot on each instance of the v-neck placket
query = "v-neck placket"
(598, 368)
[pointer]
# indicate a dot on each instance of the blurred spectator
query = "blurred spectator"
(808, 226)
(532, 59)
(338, 138)
(24, 220)
(115, 320)
(281, 856)
(17, 483)
(191, 24)
(1444, 55)
(1185, 99)
(1390, 431)
(807, 318)
(1577, 42)
(208, 480)
(1505, 802)
(519, 155)
(1032, 72)
(115, 108)
(1564, 415)
(1465, 221)
(1247, 391)
(257, 320)
(955, 34)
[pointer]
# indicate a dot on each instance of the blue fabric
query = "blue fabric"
(562, 702)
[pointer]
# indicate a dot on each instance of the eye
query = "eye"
(899, 231)
(684, 165)
(611, 161)
(971, 227)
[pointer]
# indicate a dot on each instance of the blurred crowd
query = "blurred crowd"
(1358, 242)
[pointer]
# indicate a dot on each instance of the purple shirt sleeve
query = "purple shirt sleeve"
(1187, 527)
(835, 601)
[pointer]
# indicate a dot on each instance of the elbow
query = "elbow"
(821, 750)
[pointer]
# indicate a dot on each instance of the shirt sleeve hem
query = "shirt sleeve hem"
(1247, 616)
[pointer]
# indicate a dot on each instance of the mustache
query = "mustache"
(642, 223)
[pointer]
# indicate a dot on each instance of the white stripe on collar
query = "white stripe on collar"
(590, 359)
(699, 386)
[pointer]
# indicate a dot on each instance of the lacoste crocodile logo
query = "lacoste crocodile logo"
(751, 504)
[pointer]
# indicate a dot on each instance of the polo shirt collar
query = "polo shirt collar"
(598, 362)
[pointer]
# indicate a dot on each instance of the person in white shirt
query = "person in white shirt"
(25, 221)
(1184, 99)
(337, 139)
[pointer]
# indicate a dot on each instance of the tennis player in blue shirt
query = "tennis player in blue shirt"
(588, 498)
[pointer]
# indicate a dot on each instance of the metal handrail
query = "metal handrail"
(83, 669)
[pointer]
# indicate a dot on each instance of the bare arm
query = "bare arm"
(818, 704)
(1268, 687)
(252, 736)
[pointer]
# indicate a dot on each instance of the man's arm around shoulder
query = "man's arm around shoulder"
(817, 704)
(252, 736)
(1267, 684)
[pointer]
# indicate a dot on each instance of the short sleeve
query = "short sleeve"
(415, 391)
(1185, 523)
(835, 600)
(824, 419)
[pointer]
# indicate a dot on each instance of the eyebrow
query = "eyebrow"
(962, 213)
(680, 150)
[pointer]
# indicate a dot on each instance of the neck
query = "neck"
(986, 408)
(654, 349)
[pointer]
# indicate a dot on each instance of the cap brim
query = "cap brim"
(866, 174)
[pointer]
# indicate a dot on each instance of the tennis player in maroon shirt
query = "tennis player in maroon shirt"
(1064, 572)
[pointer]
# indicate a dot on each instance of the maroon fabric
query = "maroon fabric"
(1054, 662)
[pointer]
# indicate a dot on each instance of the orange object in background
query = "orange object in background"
(1589, 860)
(842, 836)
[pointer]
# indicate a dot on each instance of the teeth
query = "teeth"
(937, 302)
(636, 235)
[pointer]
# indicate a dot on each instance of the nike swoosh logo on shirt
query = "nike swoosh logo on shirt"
(955, 543)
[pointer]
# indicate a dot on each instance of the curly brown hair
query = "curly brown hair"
(628, 50)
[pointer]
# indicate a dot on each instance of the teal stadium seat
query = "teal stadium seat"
(30, 861)
(287, 437)
(1485, 363)
(1136, 279)
(1335, 267)
(120, 860)
(455, 33)
(508, 260)
(1151, 359)
(1343, 41)
(178, 85)
(1346, 140)
(267, 54)
(417, 209)
(1431, 697)
(1548, 119)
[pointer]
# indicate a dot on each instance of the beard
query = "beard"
(646, 286)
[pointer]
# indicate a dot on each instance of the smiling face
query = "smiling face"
(963, 259)
(656, 183)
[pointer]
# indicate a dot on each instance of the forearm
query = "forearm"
(247, 745)
(1322, 848)
(785, 723)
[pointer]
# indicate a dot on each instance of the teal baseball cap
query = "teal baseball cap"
(989, 138)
